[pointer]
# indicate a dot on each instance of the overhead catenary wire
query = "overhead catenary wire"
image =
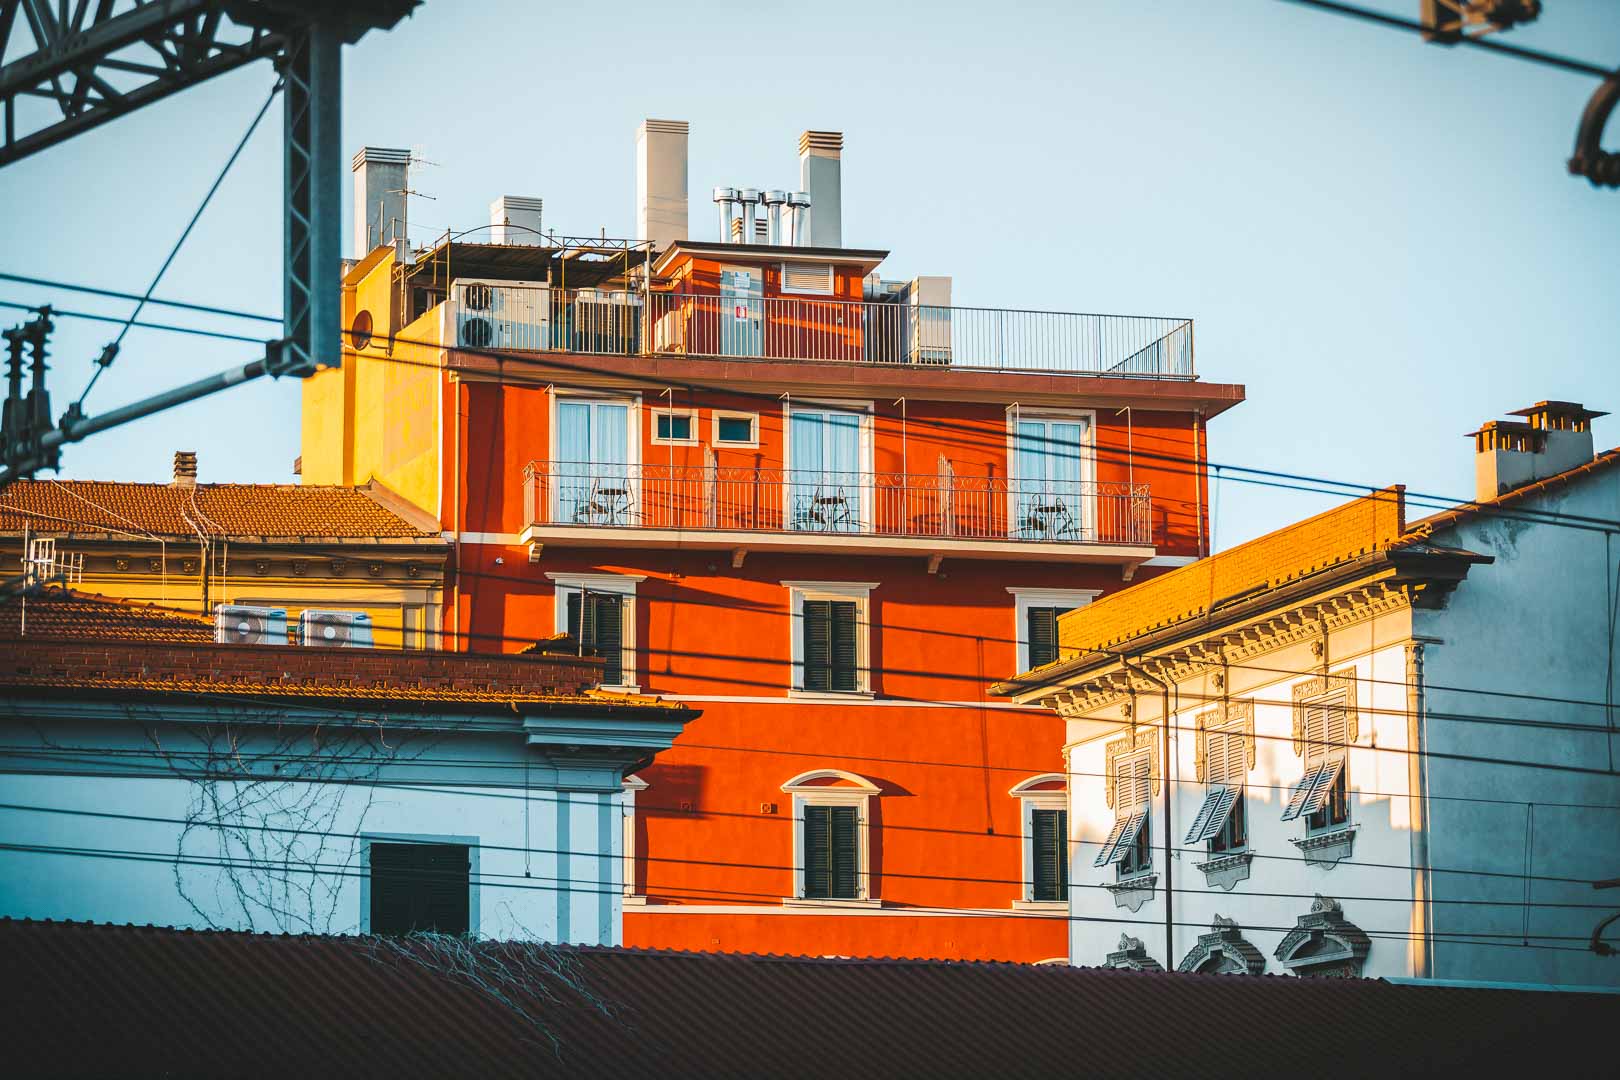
(206, 309)
(111, 351)
(171, 328)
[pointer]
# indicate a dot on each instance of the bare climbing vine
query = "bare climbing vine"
(277, 810)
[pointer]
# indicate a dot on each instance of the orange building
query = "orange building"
(825, 508)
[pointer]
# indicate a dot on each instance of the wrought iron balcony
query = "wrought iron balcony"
(576, 503)
(631, 323)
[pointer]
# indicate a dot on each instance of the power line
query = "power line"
(109, 353)
(1580, 67)
(170, 327)
(220, 826)
(155, 301)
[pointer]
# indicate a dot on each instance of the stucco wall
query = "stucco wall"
(139, 864)
(1519, 672)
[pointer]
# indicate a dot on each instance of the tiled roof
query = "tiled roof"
(64, 613)
(107, 1000)
(1370, 523)
(231, 510)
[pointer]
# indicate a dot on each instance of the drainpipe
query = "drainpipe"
(1164, 766)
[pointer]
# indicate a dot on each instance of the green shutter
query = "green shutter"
(420, 887)
(844, 652)
(817, 646)
(1043, 647)
(1048, 834)
(603, 631)
(817, 852)
(845, 851)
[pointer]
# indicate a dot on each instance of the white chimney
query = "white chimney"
(1554, 437)
(820, 175)
(661, 182)
(515, 219)
(380, 179)
(185, 468)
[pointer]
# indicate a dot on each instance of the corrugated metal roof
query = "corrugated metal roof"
(106, 1000)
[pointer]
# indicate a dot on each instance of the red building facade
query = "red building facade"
(759, 479)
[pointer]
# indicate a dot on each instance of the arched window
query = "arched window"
(1045, 818)
(832, 822)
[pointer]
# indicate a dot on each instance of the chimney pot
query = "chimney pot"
(185, 468)
(515, 219)
(1554, 437)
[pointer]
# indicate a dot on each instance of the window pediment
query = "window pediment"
(1142, 740)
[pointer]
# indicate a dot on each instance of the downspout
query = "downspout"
(1164, 768)
(1418, 780)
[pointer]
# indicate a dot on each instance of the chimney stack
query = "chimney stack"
(661, 182)
(1554, 437)
(380, 179)
(820, 175)
(185, 468)
(520, 211)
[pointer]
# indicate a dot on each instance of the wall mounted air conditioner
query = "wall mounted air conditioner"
(491, 314)
(237, 624)
(334, 629)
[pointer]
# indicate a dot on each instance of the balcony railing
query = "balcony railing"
(937, 506)
(628, 323)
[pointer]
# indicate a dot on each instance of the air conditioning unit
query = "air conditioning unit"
(334, 629)
(493, 314)
(605, 321)
(237, 624)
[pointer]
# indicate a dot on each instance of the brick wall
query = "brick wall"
(1346, 532)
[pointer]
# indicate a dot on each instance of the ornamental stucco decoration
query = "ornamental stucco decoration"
(1307, 692)
(1223, 951)
(1132, 956)
(1139, 739)
(1323, 943)
(1229, 713)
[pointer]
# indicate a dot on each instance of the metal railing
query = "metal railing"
(942, 505)
(632, 323)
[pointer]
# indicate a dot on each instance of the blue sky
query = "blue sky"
(1377, 237)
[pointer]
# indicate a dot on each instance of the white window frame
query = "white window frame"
(727, 414)
(632, 452)
(866, 410)
(1024, 599)
(635, 894)
(1035, 794)
(858, 591)
(1088, 460)
(856, 791)
(691, 415)
(622, 584)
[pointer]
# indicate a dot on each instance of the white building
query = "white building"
(1392, 746)
(149, 775)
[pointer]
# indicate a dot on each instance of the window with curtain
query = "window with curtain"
(1049, 836)
(825, 489)
(831, 855)
(420, 888)
(592, 472)
(1046, 479)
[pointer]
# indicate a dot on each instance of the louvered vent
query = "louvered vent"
(813, 278)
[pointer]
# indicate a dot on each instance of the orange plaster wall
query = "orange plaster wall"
(950, 937)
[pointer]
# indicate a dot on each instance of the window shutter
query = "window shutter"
(1227, 762)
(1136, 780)
(1042, 630)
(817, 852)
(813, 278)
(1312, 789)
(1212, 815)
(845, 847)
(609, 635)
(420, 887)
(1327, 728)
(844, 652)
(445, 895)
(817, 648)
(1123, 836)
(1048, 836)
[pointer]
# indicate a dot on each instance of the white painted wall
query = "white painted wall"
(565, 887)
(1374, 885)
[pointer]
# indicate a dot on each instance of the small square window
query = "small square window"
(420, 888)
(674, 427)
(735, 428)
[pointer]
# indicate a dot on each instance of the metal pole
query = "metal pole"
(312, 67)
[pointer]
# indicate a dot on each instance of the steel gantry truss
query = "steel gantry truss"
(95, 60)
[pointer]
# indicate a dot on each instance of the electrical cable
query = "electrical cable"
(59, 312)
(111, 351)
(206, 309)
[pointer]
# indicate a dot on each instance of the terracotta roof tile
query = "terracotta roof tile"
(64, 613)
(231, 510)
(125, 1000)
